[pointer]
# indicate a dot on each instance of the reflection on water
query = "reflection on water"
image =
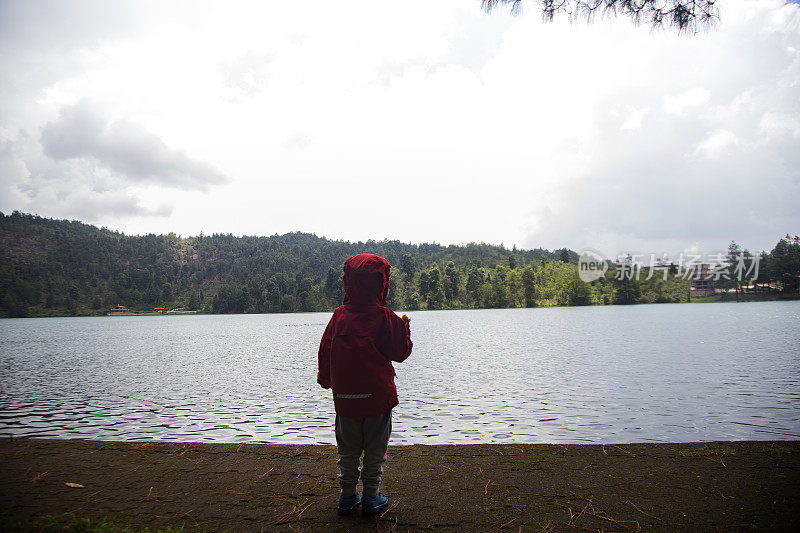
(660, 373)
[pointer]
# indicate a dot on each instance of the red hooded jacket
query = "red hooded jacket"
(361, 340)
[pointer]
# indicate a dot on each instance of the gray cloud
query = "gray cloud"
(57, 25)
(32, 182)
(39, 41)
(91, 167)
(698, 159)
(86, 204)
(696, 179)
(126, 148)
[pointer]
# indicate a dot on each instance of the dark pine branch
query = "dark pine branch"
(687, 16)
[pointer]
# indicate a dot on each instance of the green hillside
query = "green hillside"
(57, 267)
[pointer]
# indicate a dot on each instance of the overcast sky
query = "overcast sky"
(419, 121)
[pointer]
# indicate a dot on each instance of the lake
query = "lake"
(613, 374)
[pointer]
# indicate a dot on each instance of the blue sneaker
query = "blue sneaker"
(372, 505)
(348, 503)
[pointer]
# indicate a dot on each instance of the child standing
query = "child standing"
(360, 342)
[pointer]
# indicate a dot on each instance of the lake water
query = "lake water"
(646, 373)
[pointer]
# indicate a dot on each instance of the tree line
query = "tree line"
(54, 267)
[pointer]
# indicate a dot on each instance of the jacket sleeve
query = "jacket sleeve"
(394, 341)
(324, 357)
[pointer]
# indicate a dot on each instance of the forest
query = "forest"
(52, 267)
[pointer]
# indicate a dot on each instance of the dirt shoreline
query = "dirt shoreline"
(253, 487)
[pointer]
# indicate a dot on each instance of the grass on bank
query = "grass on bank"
(746, 297)
(77, 524)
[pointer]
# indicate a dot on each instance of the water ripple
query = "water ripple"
(658, 373)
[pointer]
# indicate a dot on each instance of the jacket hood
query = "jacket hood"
(366, 279)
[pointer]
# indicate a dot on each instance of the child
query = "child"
(361, 340)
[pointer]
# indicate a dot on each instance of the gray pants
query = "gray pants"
(370, 436)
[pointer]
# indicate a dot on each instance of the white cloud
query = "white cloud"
(32, 182)
(634, 119)
(438, 121)
(717, 143)
(247, 74)
(774, 125)
(686, 101)
(703, 169)
(81, 132)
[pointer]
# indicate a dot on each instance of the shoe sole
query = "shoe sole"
(367, 512)
(346, 512)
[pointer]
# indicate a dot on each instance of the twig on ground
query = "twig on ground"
(624, 450)
(303, 510)
(617, 484)
(395, 502)
(644, 513)
(583, 510)
(187, 513)
(571, 513)
(582, 528)
(225, 491)
(38, 476)
(504, 525)
(621, 523)
(182, 449)
(296, 510)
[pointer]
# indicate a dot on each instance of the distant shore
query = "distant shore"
(718, 298)
(246, 487)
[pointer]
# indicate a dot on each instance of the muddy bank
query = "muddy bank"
(249, 487)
